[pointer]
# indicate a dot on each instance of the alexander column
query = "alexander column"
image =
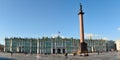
(83, 45)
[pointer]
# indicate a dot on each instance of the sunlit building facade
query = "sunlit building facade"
(117, 45)
(56, 45)
(100, 45)
(110, 45)
(96, 45)
(41, 46)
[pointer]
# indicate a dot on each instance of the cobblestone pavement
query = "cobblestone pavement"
(92, 56)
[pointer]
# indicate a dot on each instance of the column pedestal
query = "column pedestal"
(83, 49)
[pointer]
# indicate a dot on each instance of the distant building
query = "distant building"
(111, 45)
(117, 45)
(1, 47)
(56, 45)
(96, 45)
(42, 46)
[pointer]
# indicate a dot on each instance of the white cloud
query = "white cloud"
(95, 36)
(54, 35)
(63, 37)
(92, 36)
(105, 38)
(118, 29)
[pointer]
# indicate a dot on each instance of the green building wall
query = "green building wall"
(55, 45)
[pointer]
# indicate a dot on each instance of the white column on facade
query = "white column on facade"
(51, 50)
(24, 45)
(45, 47)
(51, 46)
(4, 48)
(21, 45)
(30, 46)
(92, 49)
(55, 47)
(11, 45)
(40, 46)
(65, 47)
(38, 49)
(61, 49)
(62, 46)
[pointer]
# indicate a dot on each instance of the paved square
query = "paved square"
(92, 56)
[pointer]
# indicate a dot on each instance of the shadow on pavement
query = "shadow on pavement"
(2, 58)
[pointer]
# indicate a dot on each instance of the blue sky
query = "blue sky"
(38, 18)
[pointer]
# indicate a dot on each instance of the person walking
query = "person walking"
(66, 55)
(11, 53)
(98, 52)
